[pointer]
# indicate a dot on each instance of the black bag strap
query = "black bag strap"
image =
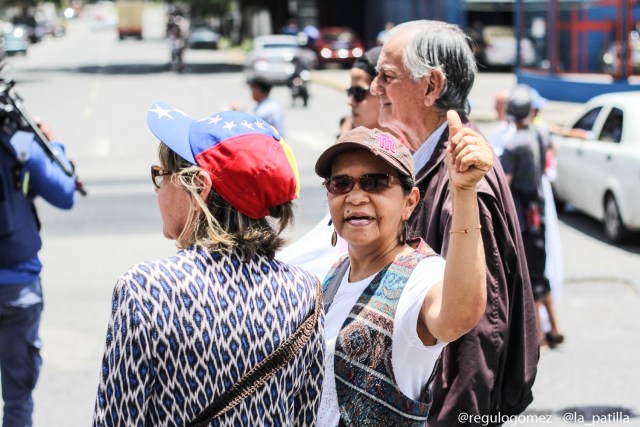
(263, 371)
(330, 293)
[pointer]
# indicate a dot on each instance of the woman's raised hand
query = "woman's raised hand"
(469, 155)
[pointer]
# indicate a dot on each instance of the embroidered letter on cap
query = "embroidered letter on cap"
(386, 143)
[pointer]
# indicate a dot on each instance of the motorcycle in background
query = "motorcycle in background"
(177, 46)
(299, 81)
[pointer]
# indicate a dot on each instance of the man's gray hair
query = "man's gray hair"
(445, 47)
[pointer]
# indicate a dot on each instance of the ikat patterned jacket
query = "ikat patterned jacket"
(183, 329)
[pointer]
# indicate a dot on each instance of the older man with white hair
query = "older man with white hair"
(425, 69)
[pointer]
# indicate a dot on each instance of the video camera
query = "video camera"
(13, 117)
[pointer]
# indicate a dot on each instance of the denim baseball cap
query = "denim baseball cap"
(251, 166)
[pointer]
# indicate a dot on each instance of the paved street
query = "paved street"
(97, 102)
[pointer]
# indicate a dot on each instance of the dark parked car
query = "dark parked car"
(203, 37)
(338, 45)
(35, 30)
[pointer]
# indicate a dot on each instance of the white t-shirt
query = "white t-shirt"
(412, 361)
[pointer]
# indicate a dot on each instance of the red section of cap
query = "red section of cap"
(251, 172)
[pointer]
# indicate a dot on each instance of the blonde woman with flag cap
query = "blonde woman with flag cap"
(392, 303)
(220, 333)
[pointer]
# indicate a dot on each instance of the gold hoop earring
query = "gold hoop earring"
(334, 238)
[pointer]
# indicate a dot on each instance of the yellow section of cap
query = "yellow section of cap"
(292, 161)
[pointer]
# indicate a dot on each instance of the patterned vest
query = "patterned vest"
(368, 394)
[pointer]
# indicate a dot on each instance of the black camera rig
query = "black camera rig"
(13, 117)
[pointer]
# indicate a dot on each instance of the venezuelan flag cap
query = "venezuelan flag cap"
(251, 166)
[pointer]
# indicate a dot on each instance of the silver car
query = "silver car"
(272, 58)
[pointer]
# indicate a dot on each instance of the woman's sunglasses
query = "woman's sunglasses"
(372, 182)
(359, 93)
(158, 174)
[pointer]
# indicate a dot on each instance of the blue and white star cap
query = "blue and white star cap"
(251, 166)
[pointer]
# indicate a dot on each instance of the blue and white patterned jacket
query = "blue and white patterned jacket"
(183, 329)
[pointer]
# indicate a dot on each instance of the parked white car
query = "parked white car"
(600, 174)
(272, 58)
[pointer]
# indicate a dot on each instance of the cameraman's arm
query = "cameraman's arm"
(48, 180)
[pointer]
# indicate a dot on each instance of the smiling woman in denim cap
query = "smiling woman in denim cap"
(188, 330)
(392, 303)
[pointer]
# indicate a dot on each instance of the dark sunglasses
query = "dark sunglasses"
(342, 184)
(158, 174)
(359, 93)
